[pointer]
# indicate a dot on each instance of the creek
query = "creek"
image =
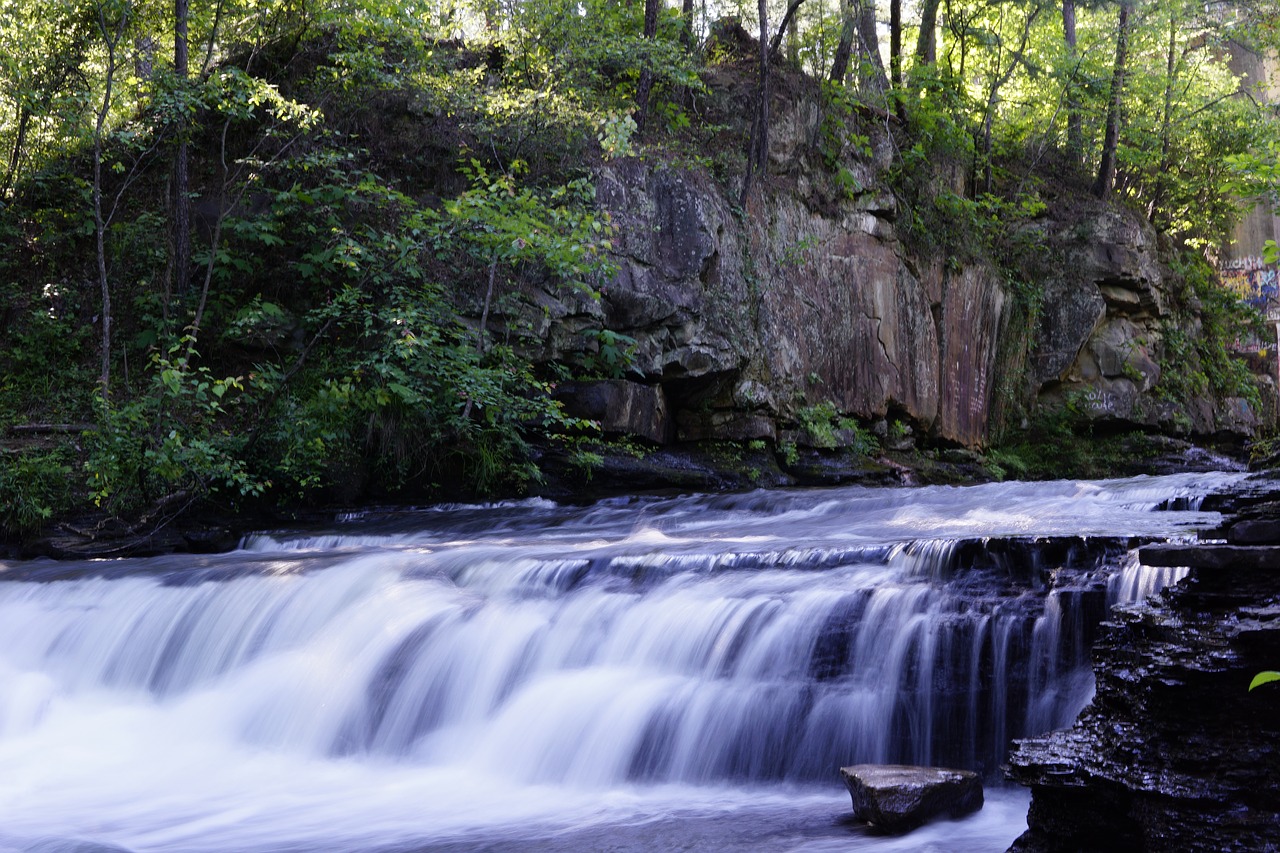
(646, 673)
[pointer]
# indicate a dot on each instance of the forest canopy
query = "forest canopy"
(239, 230)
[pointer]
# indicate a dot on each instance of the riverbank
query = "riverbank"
(597, 470)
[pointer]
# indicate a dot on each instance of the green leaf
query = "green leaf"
(1264, 678)
(404, 392)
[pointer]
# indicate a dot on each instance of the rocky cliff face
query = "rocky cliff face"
(742, 318)
(1102, 326)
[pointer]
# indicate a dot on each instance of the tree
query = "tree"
(758, 143)
(644, 87)
(44, 47)
(181, 179)
(1075, 129)
(1106, 179)
(113, 18)
(927, 41)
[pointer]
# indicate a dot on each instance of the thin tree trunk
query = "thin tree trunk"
(1106, 179)
(1002, 75)
(15, 157)
(758, 153)
(645, 86)
(111, 40)
(686, 15)
(207, 65)
(181, 178)
(1166, 121)
(1075, 128)
(484, 322)
(895, 43)
(776, 44)
(844, 47)
(874, 80)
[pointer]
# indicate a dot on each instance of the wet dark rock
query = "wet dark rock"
(620, 407)
(897, 797)
(1254, 532)
(1073, 310)
(1174, 753)
(726, 426)
(1232, 558)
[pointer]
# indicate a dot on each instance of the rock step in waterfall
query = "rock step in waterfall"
(1175, 753)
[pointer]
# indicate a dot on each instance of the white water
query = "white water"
(633, 675)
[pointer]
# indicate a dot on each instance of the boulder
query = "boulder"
(620, 406)
(898, 797)
(1072, 310)
(726, 426)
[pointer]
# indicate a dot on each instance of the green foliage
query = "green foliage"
(1266, 677)
(1061, 442)
(1204, 362)
(826, 428)
(175, 438)
(46, 337)
(1001, 463)
(503, 223)
(613, 355)
(33, 486)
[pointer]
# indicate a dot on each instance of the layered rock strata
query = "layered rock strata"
(1174, 753)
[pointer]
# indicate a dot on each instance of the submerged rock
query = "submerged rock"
(899, 797)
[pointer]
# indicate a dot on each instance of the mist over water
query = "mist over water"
(636, 674)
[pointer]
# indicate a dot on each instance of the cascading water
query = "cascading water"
(691, 669)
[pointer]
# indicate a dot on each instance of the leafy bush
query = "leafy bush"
(33, 486)
(828, 429)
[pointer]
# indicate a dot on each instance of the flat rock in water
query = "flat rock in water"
(899, 797)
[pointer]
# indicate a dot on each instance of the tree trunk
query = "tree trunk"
(758, 153)
(895, 43)
(645, 86)
(844, 48)
(1000, 77)
(1166, 121)
(111, 36)
(15, 156)
(776, 44)
(686, 14)
(181, 178)
(1106, 179)
(873, 79)
(927, 41)
(1075, 130)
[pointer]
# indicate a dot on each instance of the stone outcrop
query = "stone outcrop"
(897, 798)
(619, 407)
(1174, 753)
(742, 318)
(1101, 331)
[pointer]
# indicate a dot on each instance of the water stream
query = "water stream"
(637, 674)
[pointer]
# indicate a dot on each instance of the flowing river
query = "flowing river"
(637, 674)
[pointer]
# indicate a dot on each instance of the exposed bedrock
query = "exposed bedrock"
(745, 317)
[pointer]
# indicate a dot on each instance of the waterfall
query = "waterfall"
(397, 672)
